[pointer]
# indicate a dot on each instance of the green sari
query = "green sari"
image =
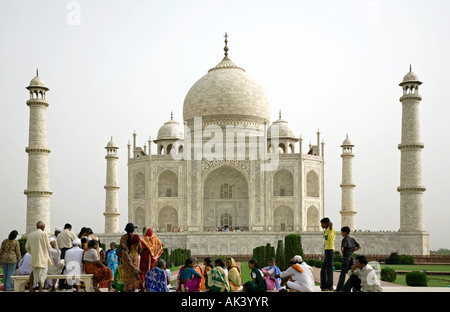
(259, 285)
(217, 280)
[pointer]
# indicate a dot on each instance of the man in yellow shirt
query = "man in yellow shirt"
(326, 272)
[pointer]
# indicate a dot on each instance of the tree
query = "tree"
(292, 247)
(279, 256)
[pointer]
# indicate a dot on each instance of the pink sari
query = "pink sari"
(193, 284)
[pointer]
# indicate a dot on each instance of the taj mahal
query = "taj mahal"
(227, 165)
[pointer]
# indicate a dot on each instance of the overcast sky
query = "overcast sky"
(118, 66)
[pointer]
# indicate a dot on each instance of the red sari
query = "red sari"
(152, 248)
(130, 262)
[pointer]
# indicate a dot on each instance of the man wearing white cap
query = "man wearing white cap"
(58, 264)
(74, 263)
(300, 277)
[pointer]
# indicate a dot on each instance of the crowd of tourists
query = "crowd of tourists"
(134, 264)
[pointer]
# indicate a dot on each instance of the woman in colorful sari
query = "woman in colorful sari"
(131, 247)
(93, 265)
(188, 280)
(112, 259)
(269, 274)
(201, 286)
(152, 248)
(217, 280)
(234, 274)
(258, 283)
(156, 278)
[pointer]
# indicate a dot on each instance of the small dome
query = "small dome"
(171, 130)
(37, 82)
(347, 142)
(284, 130)
(410, 77)
(111, 144)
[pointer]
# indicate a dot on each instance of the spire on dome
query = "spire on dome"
(226, 62)
(226, 46)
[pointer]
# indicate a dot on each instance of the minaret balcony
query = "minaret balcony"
(37, 102)
(410, 97)
(410, 145)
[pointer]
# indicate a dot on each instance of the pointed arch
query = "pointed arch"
(139, 185)
(312, 184)
(225, 198)
(312, 219)
(283, 183)
(283, 219)
(139, 218)
(168, 184)
(168, 219)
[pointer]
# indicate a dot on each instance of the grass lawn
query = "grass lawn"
(433, 280)
(418, 267)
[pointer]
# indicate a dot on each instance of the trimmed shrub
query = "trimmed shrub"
(405, 259)
(259, 255)
(388, 274)
(310, 262)
(279, 256)
(292, 247)
(318, 263)
(416, 278)
(338, 256)
(22, 242)
(337, 265)
(393, 258)
(165, 256)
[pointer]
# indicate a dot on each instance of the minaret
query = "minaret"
(348, 211)
(411, 188)
(112, 190)
(38, 187)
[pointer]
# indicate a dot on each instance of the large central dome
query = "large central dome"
(227, 91)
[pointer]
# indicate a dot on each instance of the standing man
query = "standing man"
(326, 273)
(348, 246)
(65, 242)
(37, 245)
(65, 239)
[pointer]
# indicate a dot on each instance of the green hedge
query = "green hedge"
(395, 258)
(337, 265)
(388, 275)
(416, 278)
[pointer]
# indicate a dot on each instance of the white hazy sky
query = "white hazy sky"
(121, 66)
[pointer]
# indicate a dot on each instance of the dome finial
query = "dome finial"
(410, 68)
(226, 46)
(171, 115)
(279, 114)
(37, 72)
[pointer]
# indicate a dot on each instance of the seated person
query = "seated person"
(189, 279)
(362, 277)
(156, 278)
